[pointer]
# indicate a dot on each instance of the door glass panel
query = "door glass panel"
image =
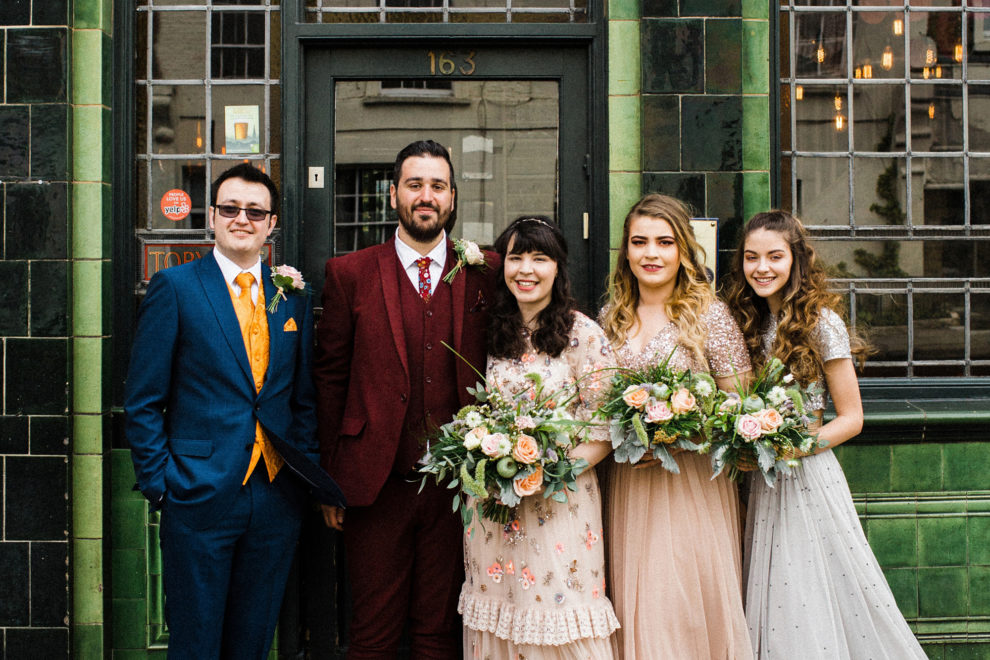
(502, 136)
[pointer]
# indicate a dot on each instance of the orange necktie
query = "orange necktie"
(254, 329)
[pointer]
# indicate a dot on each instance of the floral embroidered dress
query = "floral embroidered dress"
(535, 588)
(675, 540)
(813, 587)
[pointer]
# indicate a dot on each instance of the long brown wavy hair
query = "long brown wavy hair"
(692, 293)
(802, 300)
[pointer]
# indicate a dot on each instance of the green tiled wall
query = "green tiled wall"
(925, 507)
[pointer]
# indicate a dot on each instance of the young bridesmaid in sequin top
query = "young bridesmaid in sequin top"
(813, 589)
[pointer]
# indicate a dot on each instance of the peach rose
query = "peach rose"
(770, 420)
(657, 412)
(635, 396)
(530, 484)
(748, 427)
(473, 438)
(682, 401)
(526, 450)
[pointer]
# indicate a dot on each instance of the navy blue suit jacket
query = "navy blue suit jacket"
(190, 399)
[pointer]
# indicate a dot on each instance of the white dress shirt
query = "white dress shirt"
(231, 270)
(408, 257)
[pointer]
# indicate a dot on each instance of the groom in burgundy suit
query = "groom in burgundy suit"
(384, 380)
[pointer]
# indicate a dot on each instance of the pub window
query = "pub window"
(363, 215)
(885, 155)
(446, 11)
(207, 96)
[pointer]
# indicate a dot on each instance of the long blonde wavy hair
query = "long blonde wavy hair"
(692, 293)
(803, 297)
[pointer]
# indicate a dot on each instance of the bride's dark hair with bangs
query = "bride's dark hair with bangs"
(532, 233)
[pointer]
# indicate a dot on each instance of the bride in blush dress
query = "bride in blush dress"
(814, 589)
(675, 539)
(535, 588)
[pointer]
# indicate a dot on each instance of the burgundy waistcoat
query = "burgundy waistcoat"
(433, 396)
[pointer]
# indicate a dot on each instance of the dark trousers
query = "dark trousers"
(405, 562)
(224, 585)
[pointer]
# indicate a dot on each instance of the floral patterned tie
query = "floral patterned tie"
(424, 278)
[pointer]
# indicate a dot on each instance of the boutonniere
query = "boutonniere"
(468, 253)
(285, 278)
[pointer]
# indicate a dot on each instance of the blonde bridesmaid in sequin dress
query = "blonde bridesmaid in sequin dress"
(813, 587)
(535, 588)
(675, 540)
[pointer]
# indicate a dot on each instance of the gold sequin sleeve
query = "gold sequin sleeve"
(725, 347)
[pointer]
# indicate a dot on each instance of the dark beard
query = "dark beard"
(420, 233)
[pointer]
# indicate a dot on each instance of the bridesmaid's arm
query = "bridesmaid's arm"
(735, 382)
(593, 451)
(843, 387)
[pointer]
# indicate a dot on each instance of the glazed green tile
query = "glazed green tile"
(129, 623)
(661, 132)
(87, 433)
(979, 591)
(942, 592)
(867, 467)
(87, 504)
(87, 226)
(107, 18)
(979, 650)
(756, 193)
(88, 13)
(711, 133)
(659, 8)
(687, 187)
(723, 199)
(127, 524)
(967, 466)
(942, 541)
(122, 475)
(87, 292)
(894, 541)
(87, 642)
(623, 9)
(129, 579)
(87, 383)
(979, 540)
(623, 192)
(756, 57)
(916, 467)
(87, 147)
(87, 67)
(624, 134)
(755, 9)
(756, 132)
(708, 8)
(87, 581)
(723, 74)
(623, 57)
(904, 585)
(673, 54)
(934, 651)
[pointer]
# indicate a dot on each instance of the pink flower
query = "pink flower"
(635, 396)
(682, 401)
(770, 420)
(291, 273)
(530, 484)
(496, 445)
(657, 412)
(525, 423)
(748, 427)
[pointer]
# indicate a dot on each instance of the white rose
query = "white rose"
(473, 254)
(474, 437)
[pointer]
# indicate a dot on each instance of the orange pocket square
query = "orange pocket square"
(290, 326)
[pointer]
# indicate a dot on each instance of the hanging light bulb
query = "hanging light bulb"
(938, 71)
(838, 103)
(898, 27)
(867, 69)
(925, 73)
(887, 59)
(820, 53)
(199, 135)
(929, 56)
(799, 93)
(859, 72)
(840, 122)
(931, 110)
(957, 52)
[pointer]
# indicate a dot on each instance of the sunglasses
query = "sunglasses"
(228, 211)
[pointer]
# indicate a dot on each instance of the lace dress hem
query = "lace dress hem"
(537, 626)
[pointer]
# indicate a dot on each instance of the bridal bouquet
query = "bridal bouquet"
(764, 427)
(504, 448)
(657, 409)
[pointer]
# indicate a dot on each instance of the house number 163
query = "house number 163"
(446, 63)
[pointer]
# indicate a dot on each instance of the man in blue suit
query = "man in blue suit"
(214, 381)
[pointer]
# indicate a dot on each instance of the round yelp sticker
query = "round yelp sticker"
(176, 204)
